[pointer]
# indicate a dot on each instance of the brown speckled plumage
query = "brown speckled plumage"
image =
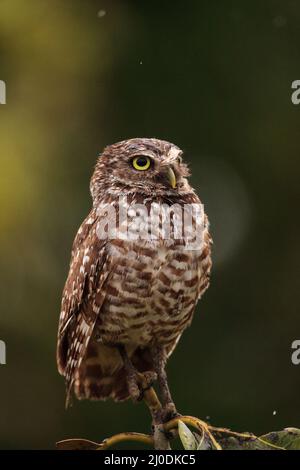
(137, 293)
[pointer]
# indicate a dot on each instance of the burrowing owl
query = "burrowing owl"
(128, 299)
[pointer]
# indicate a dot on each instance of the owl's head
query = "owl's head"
(148, 166)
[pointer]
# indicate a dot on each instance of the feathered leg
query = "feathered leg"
(159, 362)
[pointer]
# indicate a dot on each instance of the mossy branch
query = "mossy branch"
(204, 437)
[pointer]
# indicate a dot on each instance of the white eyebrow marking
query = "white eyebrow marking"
(174, 152)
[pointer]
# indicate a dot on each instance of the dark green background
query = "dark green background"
(215, 78)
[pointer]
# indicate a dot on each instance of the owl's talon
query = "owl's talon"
(169, 412)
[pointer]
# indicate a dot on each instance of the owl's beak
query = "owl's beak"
(171, 177)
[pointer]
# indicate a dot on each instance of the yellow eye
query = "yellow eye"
(141, 163)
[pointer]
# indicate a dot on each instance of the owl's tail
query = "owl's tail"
(102, 374)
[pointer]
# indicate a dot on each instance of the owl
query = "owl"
(130, 294)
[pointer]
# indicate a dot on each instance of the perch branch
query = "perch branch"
(217, 438)
(126, 437)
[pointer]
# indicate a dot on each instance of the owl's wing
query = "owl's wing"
(205, 259)
(82, 298)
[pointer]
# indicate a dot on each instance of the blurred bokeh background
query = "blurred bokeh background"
(214, 78)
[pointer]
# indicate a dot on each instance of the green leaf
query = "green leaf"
(188, 439)
(288, 439)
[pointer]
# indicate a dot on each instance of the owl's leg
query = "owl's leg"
(159, 362)
(133, 377)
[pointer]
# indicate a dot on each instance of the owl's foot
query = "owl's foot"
(150, 377)
(137, 382)
(169, 412)
(145, 381)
